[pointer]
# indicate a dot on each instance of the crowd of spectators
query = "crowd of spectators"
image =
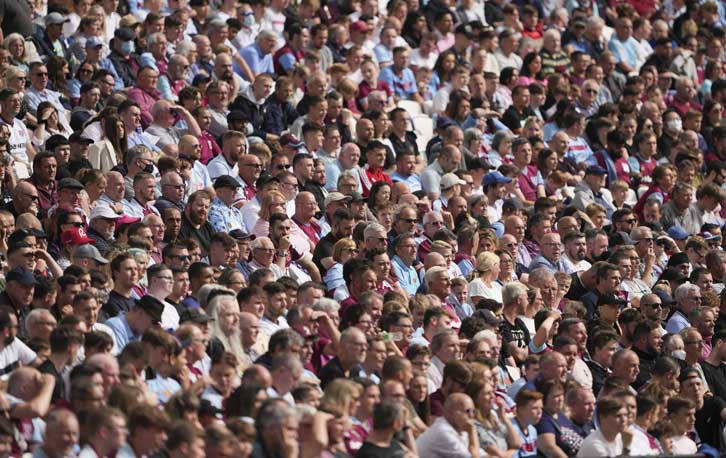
(362, 228)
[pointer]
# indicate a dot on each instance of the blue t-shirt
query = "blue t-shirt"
(566, 436)
(404, 86)
(529, 442)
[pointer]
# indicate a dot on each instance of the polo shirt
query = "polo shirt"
(407, 276)
(256, 60)
(403, 85)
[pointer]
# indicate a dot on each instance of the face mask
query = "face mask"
(675, 125)
(679, 354)
(127, 47)
(149, 168)
(249, 20)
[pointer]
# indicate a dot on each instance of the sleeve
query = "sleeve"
(476, 288)
(287, 61)
(165, 88)
(546, 426)
(387, 77)
(429, 183)
(25, 354)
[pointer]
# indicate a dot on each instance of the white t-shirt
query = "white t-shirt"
(13, 356)
(596, 445)
(682, 445)
(17, 146)
(417, 60)
(478, 288)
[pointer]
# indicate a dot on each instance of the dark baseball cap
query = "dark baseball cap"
(195, 316)
(69, 183)
(152, 306)
(22, 275)
(76, 137)
(226, 181)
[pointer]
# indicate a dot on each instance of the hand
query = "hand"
(448, 219)
(627, 436)
(284, 243)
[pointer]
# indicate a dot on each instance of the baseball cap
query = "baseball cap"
(610, 299)
(226, 181)
(442, 122)
(239, 234)
(55, 18)
(124, 34)
(595, 170)
(93, 42)
(128, 21)
(512, 204)
(152, 306)
(336, 197)
(674, 275)
(355, 196)
(70, 183)
(76, 137)
(126, 219)
(493, 178)
(195, 316)
(103, 211)
(54, 141)
(465, 29)
(200, 79)
(708, 237)
(665, 298)
(359, 26)
(449, 180)
(677, 233)
(75, 236)
(89, 251)
(22, 275)
(264, 179)
(291, 141)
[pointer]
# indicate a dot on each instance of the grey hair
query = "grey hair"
(154, 38)
(372, 229)
(274, 412)
(430, 273)
(327, 305)
(34, 315)
(683, 291)
(266, 34)
(184, 48)
(471, 133)
(512, 291)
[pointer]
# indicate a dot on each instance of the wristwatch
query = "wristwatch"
(282, 254)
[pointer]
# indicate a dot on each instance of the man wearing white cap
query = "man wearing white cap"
(102, 227)
(450, 186)
(333, 201)
(49, 41)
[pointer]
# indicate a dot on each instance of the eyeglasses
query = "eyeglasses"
(408, 220)
(282, 166)
(85, 70)
(629, 221)
(76, 224)
(591, 91)
(31, 197)
(257, 166)
(656, 305)
(41, 74)
(180, 257)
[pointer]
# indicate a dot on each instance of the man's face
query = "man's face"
(440, 284)
(39, 77)
(198, 210)
(145, 189)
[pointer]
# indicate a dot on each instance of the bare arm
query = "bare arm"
(547, 444)
(307, 263)
(39, 405)
(189, 119)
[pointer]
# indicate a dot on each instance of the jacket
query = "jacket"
(278, 115)
(254, 111)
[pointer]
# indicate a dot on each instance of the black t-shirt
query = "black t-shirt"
(16, 17)
(59, 390)
(716, 378)
(324, 249)
(517, 333)
(369, 450)
(116, 304)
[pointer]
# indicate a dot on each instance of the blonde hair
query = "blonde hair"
(485, 261)
(341, 245)
(267, 202)
(339, 394)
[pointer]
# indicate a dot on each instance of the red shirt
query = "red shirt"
(210, 148)
(371, 176)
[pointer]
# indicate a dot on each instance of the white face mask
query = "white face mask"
(675, 125)
(679, 354)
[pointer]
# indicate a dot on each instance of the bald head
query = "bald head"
(434, 259)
